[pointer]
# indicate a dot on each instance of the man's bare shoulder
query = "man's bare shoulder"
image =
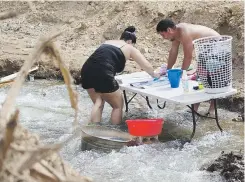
(183, 24)
(194, 31)
(191, 27)
(184, 30)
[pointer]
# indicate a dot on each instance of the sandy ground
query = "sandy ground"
(99, 21)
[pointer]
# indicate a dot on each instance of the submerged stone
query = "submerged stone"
(229, 165)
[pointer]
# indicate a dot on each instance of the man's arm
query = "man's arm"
(173, 54)
(188, 49)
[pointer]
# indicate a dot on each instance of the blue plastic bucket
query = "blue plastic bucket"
(174, 76)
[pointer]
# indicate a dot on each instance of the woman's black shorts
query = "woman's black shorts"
(98, 77)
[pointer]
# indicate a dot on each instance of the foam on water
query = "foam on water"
(156, 162)
(51, 117)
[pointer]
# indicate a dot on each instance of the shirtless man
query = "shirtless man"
(183, 33)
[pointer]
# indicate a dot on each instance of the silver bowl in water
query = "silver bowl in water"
(103, 138)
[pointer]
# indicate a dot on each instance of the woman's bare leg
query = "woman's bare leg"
(115, 99)
(96, 113)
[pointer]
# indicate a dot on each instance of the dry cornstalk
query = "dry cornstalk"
(42, 174)
(45, 147)
(20, 177)
(31, 160)
(52, 49)
(61, 177)
(9, 133)
(53, 171)
(14, 90)
(40, 153)
(8, 137)
(63, 166)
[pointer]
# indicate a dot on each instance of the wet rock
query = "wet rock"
(142, 140)
(229, 165)
(235, 103)
(240, 118)
(44, 94)
(132, 143)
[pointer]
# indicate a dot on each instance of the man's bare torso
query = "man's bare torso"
(194, 31)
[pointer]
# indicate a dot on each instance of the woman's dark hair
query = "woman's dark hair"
(163, 25)
(129, 34)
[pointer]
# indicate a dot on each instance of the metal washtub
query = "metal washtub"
(103, 138)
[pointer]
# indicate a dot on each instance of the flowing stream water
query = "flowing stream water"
(45, 109)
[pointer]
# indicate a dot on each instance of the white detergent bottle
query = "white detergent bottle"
(185, 81)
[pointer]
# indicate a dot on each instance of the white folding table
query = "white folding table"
(174, 95)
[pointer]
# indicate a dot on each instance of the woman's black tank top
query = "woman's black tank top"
(108, 55)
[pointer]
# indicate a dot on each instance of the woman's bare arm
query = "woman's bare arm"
(136, 55)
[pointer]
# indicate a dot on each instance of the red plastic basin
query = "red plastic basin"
(145, 127)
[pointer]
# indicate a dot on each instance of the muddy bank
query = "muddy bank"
(229, 165)
(235, 104)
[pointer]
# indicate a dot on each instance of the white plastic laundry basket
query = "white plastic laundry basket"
(214, 62)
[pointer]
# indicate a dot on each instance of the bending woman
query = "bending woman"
(98, 72)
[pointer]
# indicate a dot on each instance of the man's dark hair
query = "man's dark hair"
(129, 34)
(163, 25)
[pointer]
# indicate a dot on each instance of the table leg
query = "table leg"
(148, 102)
(146, 98)
(161, 107)
(194, 121)
(216, 115)
(127, 101)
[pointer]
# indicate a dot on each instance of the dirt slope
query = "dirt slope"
(98, 21)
